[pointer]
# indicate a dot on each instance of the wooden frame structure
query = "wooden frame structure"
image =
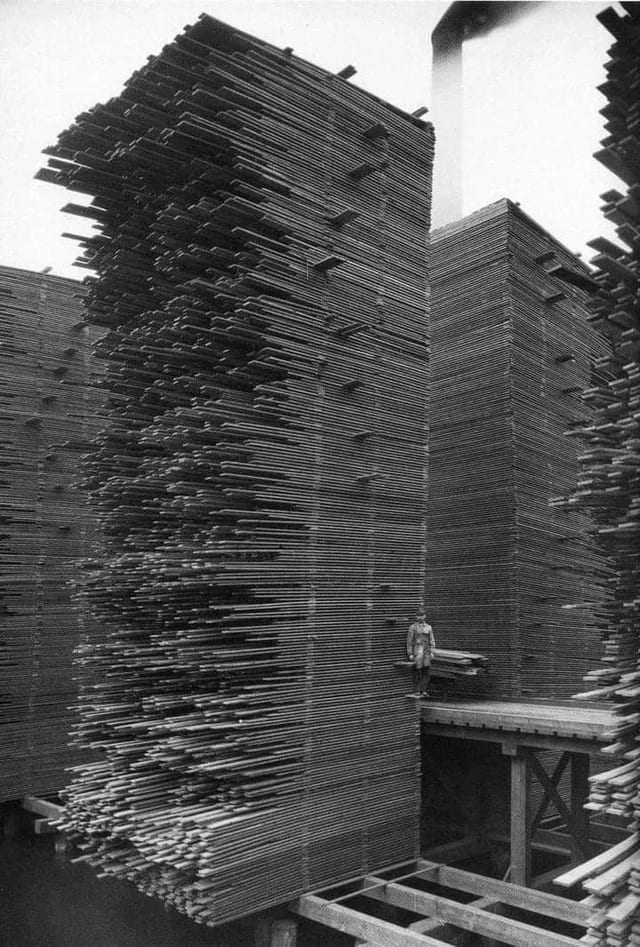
(524, 731)
(46, 813)
(526, 831)
(396, 887)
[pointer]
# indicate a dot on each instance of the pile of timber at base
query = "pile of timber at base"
(609, 480)
(261, 484)
(48, 406)
(512, 349)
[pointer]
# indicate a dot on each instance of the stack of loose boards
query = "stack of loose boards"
(609, 487)
(512, 350)
(49, 408)
(260, 263)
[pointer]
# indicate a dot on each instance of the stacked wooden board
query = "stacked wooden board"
(458, 664)
(512, 350)
(260, 262)
(48, 409)
(609, 488)
(448, 665)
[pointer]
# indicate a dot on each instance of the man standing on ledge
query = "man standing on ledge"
(420, 647)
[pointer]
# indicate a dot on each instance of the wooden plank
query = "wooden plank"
(50, 810)
(469, 918)
(562, 711)
(580, 765)
(625, 909)
(599, 863)
(542, 840)
(359, 925)
(43, 827)
(538, 902)
(535, 740)
(520, 820)
(529, 718)
(613, 877)
(546, 877)
(430, 925)
(523, 724)
(607, 834)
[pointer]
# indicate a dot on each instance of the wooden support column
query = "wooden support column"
(520, 817)
(284, 933)
(270, 931)
(580, 847)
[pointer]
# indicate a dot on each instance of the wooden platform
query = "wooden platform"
(566, 725)
(524, 731)
(445, 902)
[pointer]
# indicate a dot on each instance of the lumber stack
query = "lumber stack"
(454, 665)
(457, 665)
(512, 351)
(261, 484)
(609, 482)
(48, 404)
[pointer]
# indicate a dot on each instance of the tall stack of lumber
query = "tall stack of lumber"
(260, 262)
(48, 407)
(609, 486)
(512, 351)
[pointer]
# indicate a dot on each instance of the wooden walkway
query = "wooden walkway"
(562, 725)
(524, 731)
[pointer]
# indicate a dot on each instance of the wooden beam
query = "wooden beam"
(552, 791)
(580, 847)
(469, 918)
(284, 933)
(538, 902)
(557, 843)
(608, 834)
(559, 839)
(539, 741)
(575, 818)
(360, 925)
(556, 776)
(430, 925)
(520, 819)
(50, 810)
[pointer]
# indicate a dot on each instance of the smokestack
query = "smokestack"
(462, 21)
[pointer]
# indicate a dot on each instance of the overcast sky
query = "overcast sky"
(531, 117)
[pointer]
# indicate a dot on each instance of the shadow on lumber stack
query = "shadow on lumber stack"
(49, 406)
(261, 484)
